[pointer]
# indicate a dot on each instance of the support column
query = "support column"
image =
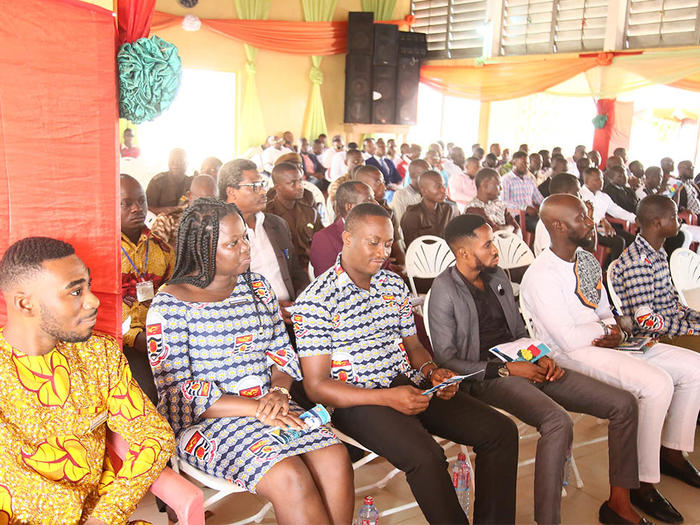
(484, 120)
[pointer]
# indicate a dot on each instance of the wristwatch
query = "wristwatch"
(503, 371)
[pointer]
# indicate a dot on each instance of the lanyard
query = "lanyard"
(145, 265)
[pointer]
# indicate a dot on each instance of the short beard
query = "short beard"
(50, 326)
(583, 242)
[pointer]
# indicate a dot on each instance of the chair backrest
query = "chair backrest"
(426, 257)
(685, 271)
(319, 201)
(512, 250)
(426, 319)
(527, 317)
(616, 301)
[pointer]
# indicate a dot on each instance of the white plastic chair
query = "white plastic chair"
(685, 272)
(513, 252)
(221, 487)
(426, 257)
(319, 201)
(616, 301)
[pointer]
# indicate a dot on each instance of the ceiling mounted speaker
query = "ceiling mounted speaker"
(188, 3)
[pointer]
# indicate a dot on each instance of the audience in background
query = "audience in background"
(618, 189)
(127, 148)
(409, 194)
(303, 219)
(166, 190)
(520, 192)
(274, 149)
(603, 205)
(373, 178)
(462, 186)
(164, 225)
(487, 204)
(431, 214)
(328, 243)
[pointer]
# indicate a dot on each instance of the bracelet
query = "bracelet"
(431, 362)
(283, 390)
(606, 329)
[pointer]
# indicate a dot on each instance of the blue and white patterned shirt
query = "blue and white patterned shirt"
(361, 330)
(642, 278)
(520, 192)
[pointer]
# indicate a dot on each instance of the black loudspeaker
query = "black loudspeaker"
(412, 44)
(407, 79)
(358, 88)
(383, 94)
(360, 33)
(386, 44)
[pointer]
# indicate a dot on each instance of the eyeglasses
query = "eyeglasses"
(255, 186)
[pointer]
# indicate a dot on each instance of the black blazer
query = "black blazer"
(295, 277)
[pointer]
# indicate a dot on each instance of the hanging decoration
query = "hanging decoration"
(150, 71)
(315, 120)
(191, 23)
(599, 121)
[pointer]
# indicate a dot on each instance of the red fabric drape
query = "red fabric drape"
(134, 18)
(296, 38)
(58, 137)
(601, 137)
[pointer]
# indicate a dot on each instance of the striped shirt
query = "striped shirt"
(520, 192)
(361, 330)
(642, 278)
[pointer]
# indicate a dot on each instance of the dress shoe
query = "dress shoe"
(607, 516)
(654, 504)
(687, 474)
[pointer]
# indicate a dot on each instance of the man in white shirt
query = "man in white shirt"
(563, 292)
(326, 157)
(603, 205)
(271, 248)
(559, 183)
(579, 152)
(409, 195)
(273, 151)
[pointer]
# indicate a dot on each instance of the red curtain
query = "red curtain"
(296, 38)
(58, 137)
(134, 18)
(601, 137)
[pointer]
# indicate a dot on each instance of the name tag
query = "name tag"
(144, 291)
(98, 420)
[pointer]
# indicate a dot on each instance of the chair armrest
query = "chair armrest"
(186, 499)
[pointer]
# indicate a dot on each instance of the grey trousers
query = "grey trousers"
(544, 406)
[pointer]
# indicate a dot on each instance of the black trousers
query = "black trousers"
(616, 243)
(141, 371)
(406, 442)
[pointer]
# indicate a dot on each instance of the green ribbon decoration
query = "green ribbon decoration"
(150, 73)
(316, 75)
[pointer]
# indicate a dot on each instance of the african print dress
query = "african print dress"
(201, 351)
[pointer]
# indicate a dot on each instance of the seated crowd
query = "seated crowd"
(241, 310)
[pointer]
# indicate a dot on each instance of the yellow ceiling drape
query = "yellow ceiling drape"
(504, 80)
(602, 75)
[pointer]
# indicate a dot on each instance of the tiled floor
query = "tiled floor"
(580, 506)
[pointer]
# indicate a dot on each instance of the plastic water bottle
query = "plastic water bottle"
(368, 514)
(461, 478)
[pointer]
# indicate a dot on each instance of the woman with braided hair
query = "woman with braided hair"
(223, 364)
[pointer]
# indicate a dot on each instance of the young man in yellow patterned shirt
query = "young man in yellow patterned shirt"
(61, 389)
(147, 262)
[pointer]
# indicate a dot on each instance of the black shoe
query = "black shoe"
(688, 474)
(607, 516)
(654, 504)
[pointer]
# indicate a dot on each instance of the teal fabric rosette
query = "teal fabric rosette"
(599, 121)
(150, 72)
